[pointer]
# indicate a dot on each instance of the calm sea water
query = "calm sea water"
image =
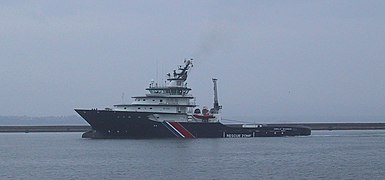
(324, 155)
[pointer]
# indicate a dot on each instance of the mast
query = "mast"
(183, 71)
(217, 107)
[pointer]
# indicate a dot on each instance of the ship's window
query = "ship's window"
(150, 107)
(161, 100)
(144, 99)
(153, 100)
(138, 107)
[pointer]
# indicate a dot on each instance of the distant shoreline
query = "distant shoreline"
(84, 128)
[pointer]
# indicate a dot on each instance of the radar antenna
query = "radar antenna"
(182, 74)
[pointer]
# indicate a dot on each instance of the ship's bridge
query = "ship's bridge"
(182, 91)
(176, 85)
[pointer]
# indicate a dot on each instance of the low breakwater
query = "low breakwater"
(338, 126)
(58, 128)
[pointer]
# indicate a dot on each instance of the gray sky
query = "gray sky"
(272, 58)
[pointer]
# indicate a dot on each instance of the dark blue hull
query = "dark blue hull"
(137, 125)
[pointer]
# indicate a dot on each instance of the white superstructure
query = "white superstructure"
(172, 102)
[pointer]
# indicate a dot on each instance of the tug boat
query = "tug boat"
(170, 111)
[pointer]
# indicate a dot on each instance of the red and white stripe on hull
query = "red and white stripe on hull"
(178, 128)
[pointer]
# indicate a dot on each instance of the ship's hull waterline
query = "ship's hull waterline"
(139, 125)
